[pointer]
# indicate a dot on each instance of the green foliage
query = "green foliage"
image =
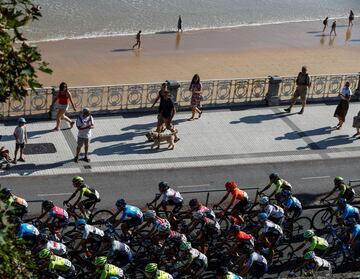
(18, 60)
(15, 260)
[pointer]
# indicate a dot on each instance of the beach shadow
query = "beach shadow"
(121, 49)
(332, 40)
(178, 40)
(322, 35)
(314, 32)
(309, 133)
(254, 119)
(325, 143)
(356, 40)
(348, 35)
(166, 32)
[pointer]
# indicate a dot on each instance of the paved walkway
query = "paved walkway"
(220, 137)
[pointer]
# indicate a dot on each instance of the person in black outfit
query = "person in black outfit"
(325, 23)
(179, 25)
(333, 28)
(161, 98)
(167, 113)
(351, 18)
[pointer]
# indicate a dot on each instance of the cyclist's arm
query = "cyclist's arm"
(104, 275)
(43, 213)
(233, 199)
(223, 199)
(328, 195)
(302, 245)
(265, 188)
(78, 200)
(72, 196)
(192, 226)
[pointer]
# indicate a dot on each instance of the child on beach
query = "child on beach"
(325, 23)
(138, 40)
(20, 135)
(333, 28)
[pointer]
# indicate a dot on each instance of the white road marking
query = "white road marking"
(55, 194)
(315, 177)
(193, 186)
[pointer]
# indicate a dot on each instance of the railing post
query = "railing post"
(357, 90)
(272, 97)
(207, 198)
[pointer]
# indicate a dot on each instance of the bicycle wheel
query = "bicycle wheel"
(135, 273)
(99, 216)
(299, 226)
(322, 218)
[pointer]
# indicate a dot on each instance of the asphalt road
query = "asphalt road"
(309, 180)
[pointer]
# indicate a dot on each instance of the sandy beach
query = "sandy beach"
(251, 51)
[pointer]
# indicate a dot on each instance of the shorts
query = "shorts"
(258, 270)
(89, 202)
(177, 206)
(62, 107)
(133, 222)
(82, 141)
(163, 120)
(20, 145)
(241, 205)
(301, 92)
(277, 221)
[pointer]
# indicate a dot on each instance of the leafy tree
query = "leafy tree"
(18, 60)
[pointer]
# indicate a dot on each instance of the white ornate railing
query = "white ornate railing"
(215, 92)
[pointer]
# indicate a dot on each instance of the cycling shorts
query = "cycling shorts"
(89, 202)
(133, 222)
(177, 206)
(241, 205)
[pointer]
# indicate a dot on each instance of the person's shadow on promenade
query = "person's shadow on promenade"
(325, 143)
(309, 133)
(254, 119)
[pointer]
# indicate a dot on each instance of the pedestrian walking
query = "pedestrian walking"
(62, 98)
(343, 106)
(21, 139)
(333, 28)
(179, 25)
(196, 96)
(325, 23)
(160, 97)
(85, 123)
(356, 124)
(166, 114)
(351, 18)
(303, 82)
(138, 40)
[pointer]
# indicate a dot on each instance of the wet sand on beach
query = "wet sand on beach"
(252, 51)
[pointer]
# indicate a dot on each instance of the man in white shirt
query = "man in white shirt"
(85, 122)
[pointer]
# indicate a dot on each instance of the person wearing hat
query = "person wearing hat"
(85, 122)
(21, 138)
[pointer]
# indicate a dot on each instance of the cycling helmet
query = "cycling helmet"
(47, 204)
(44, 253)
(5, 192)
(80, 222)
(309, 233)
(163, 186)
(100, 261)
(273, 176)
(194, 203)
(338, 179)
(149, 214)
(151, 268)
(285, 192)
(264, 200)
(185, 245)
(21, 120)
(78, 180)
(43, 238)
(198, 215)
(341, 202)
(309, 255)
(235, 228)
(120, 203)
(230, 185)
(222, 271)
(248, 249)
(262, 216)
(164, 227)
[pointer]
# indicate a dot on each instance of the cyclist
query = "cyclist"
(152, 272)
(292, 206)
(90, 235)
(107, 270)
(312, 264)
(57, 248)
(269, 233)
(55, 264)
(158, 224)
(255, 264)
(19, 206)
(168, 197)
(279, 185)
(242, 238)
(274, 212)
(131, 216)
(314, 243)
(27, 232)
(118, 253)
(92, 196)
(345, 191)
(195, 206)
(223, 273)
(237, 194)
(353, 237)
(172, 239)
(58, 217)
(190, 261)
(347, 211)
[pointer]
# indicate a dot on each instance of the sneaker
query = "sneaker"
(287, 110)
(21, 160)
(86, 159)
(76, 159)
(14, 162)
(301, 111)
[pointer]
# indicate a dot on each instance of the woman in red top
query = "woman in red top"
(63, 97)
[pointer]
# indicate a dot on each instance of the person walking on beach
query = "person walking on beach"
(138, 40)
(179, 25)
(196, 96)
(21, 138)
(333, 28)
(63, 97)
(325, 23)
(303, 82)
(343, 106)
(351, 18)
(160, 97)
(84, 123)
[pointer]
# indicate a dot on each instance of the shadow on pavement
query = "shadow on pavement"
(300, 134)
(252, 119)
(325, 143)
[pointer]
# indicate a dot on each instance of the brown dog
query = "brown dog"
(160, 137)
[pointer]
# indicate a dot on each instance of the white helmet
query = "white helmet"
(264, 200)
(149, 214)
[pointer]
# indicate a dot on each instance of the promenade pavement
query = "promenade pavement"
(233, 136)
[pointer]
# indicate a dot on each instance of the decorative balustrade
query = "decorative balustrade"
(215, 92)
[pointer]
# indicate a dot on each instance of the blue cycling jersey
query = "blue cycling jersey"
(131, 212)
(292, 203)
(27, 230)
(350, 212)
(356, 231)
